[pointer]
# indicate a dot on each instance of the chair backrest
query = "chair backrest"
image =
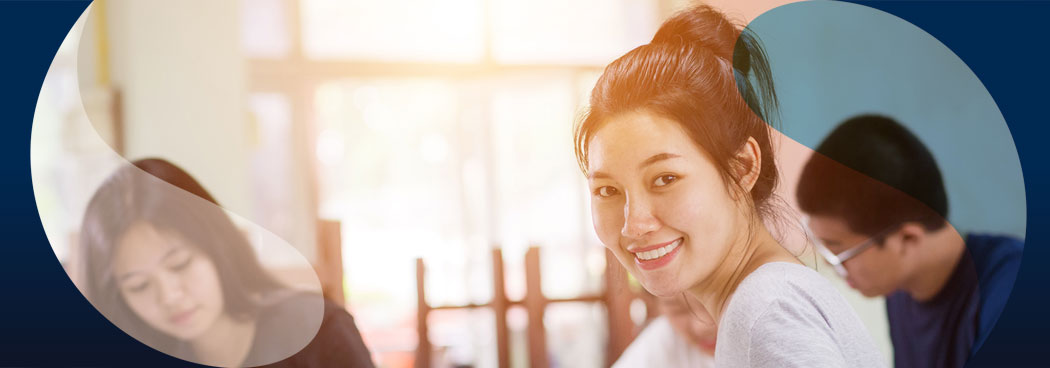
(616, 296)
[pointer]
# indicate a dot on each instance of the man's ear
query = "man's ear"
(749, 164)
(911, 236)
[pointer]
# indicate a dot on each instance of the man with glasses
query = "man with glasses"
(877, 210)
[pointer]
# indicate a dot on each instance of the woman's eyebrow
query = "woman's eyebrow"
(133, 273)
(649, 161)
(598, 175)
(127, 276)
(656, 158)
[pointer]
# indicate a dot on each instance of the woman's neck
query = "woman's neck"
(225, 344)
(747, 255)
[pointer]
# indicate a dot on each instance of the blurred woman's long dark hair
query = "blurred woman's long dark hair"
(162, 195)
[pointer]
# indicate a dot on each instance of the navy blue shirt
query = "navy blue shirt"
(945, 330)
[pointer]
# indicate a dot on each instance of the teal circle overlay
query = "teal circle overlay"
(835, 60)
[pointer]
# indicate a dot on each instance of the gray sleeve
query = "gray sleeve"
(786, 315)
(787, 336)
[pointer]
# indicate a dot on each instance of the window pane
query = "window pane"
(540, 200)
(443, 169)
(393, 30)
(264, 28)
(71, 146)
(571, 32)
(393, 157)
(278, 191)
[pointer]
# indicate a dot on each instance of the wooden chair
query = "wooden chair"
(615, 296)
(329, 264)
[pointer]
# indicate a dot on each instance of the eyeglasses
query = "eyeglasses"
(837, 260)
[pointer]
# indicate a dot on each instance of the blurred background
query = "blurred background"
(413, 151)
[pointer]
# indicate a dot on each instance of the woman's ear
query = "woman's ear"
(749, 164)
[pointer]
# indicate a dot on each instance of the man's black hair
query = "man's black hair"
(874, 173)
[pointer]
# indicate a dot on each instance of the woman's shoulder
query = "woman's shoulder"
(782, 282)
(334, 340)
(786, 312)
(287, 321)
(338, 342)
(781, 288)
(303, 310)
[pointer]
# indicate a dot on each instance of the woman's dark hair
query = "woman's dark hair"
(162, 195)
(706, 74)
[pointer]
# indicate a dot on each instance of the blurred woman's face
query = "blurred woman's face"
(659, 203)
(168, 283)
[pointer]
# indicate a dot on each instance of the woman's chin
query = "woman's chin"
(185, 334)
(663, 289)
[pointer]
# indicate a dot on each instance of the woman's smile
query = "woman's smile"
(656, 256)
(183, 318)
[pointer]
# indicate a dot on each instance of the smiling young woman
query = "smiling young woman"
(677, 153)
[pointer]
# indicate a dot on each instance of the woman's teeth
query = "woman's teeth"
(659, 252)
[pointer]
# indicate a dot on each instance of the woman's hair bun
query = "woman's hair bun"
(700, 27)
(705, 28)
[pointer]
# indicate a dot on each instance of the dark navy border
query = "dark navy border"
(44, 321)
(1005, 44)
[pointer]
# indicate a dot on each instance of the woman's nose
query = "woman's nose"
(638, 219)
(170, 289)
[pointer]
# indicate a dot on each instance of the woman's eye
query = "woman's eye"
(138, 288)
(664, 180)
(182, 264)
(605, 191)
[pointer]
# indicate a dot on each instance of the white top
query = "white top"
(787, 315)
(659, 346)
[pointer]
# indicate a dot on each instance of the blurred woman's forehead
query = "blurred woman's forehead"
(144, 245)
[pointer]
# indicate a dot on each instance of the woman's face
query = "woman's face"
(168, 283)
(659, 203)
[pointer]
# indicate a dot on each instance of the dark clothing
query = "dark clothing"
(945, 330)
(336, 344)
(938, 332)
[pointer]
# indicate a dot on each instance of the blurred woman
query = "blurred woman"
(674, 339)
(166, 264)
(677, 153)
